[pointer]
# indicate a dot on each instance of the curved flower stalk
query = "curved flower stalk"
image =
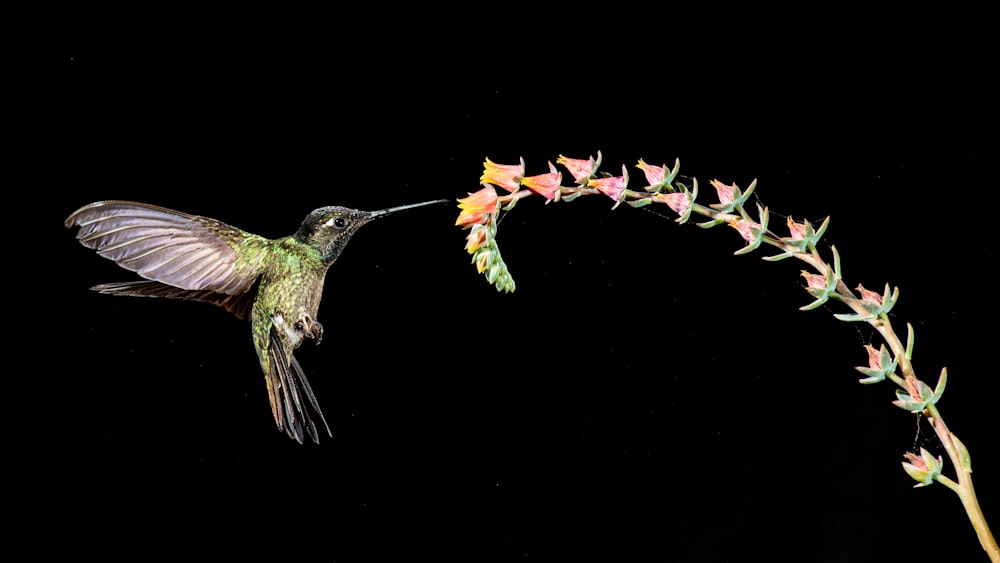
(892, 360)
(479, 215)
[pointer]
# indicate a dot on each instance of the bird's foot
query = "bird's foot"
(310, 328)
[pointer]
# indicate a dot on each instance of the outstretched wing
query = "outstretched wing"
(184, 251)
(289, 392)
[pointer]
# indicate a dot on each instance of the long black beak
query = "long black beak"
(390, 210)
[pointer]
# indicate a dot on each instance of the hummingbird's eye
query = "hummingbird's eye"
(339, 223)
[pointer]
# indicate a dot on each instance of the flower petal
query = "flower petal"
(612, 186)
(477, 208)
(724, 191)
(545, 185)
(680, 202)
(581, 170)
(506, 176)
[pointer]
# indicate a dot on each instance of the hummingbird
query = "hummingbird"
(275, 284)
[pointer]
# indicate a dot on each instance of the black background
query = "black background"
(644, 395)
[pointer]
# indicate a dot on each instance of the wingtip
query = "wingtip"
(72, 219)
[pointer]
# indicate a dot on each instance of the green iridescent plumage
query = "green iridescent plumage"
(276, 284)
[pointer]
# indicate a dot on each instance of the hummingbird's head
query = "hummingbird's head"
(329, 228)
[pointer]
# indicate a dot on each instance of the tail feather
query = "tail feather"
(287, 382)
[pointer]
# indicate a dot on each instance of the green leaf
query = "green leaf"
(939, 388)
(692, 195)
(824, 294)
(853, 318)
(922, 476)
(963, 453)
(819, 301)
(906, 402)
(710, 224)
(909, 341)
(819, 233)
(777, 257)
(873, 375)
(925, 391)
(493, 272)
(746, 195)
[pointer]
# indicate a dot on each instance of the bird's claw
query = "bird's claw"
(310, 328)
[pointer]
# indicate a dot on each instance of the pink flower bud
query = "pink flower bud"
(545, 185)
(724, 191)
(874, 357)
(745, 228)
(797, 230)
(581, 170)
(654, 174)
(613, 187)
(679, 202)
(870, 296)
(814, 281)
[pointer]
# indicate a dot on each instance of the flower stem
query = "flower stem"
(963, 487)
(801, 244)
(966, 492)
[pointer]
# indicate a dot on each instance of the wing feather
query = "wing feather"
(186, 251)
(239, 304)
(197, 258)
